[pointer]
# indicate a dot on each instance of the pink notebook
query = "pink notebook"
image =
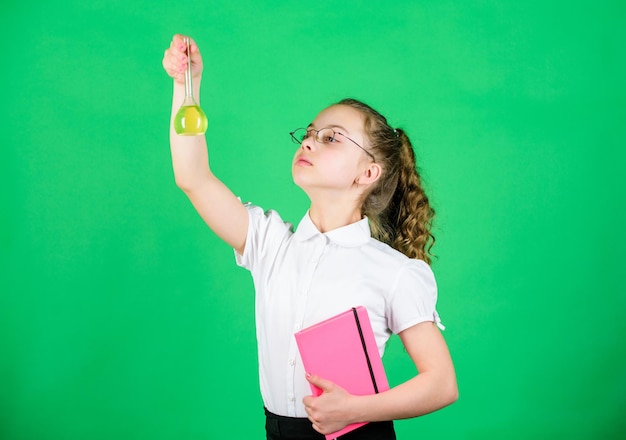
(343, 350)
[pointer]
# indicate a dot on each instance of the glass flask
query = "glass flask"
(190, 120)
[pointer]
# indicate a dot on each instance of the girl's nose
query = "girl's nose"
(308, 143)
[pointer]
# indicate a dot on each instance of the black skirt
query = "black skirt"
(296, 428)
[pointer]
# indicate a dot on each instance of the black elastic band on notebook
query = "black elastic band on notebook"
(367, 356)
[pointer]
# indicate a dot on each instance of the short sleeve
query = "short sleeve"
(414, 297)
(266, 233)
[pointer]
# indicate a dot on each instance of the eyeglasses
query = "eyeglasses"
(323, 136)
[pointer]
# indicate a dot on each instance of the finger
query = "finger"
(169, 58)
(173, 70)
(306, 401)
(193, 47)
(317, 428)
(178, 50)
(179, 41)
(172, 66)
(310, 407)
(175, 59)
(323, 384)
(315, 419)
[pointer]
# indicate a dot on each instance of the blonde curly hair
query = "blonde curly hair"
(397, 205)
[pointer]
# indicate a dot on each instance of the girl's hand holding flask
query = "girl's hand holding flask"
(182, 61)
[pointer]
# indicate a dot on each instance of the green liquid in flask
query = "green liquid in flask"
(190, 120)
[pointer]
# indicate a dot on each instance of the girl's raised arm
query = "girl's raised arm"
(215, 203)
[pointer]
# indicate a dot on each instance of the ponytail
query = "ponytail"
(397, 206)
(410, 211)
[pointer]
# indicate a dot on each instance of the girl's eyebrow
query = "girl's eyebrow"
(343, 129)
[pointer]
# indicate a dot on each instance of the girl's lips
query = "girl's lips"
(303, 161)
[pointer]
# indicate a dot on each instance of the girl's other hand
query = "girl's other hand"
(175, 59)
(328, 412)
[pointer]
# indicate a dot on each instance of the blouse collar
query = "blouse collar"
(352, 235)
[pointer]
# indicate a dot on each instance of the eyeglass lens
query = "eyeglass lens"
(323, 136)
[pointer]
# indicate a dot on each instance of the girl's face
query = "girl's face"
(332, 162)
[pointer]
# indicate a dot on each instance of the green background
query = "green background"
(122, 316)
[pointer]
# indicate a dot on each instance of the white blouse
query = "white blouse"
(305, 276)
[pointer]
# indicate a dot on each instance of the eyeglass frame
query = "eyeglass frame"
(308, 130)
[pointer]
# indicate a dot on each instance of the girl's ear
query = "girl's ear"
(370, 175)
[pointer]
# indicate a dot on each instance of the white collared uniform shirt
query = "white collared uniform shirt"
(304, 277)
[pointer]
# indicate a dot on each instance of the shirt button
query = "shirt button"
(292, 399)
(298, 327)
(292, 362)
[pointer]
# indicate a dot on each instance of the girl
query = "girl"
(365, 240)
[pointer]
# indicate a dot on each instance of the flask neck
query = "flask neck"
(189, 101)
(188, 82)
